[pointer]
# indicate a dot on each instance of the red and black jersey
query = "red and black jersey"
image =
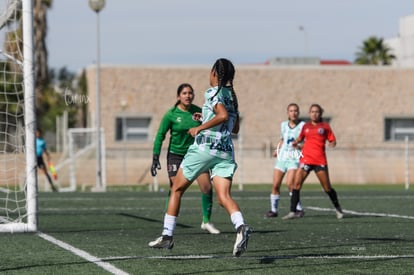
(315, 137)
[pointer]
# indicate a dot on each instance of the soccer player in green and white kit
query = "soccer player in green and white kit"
(178, 120)
(287, 159)
(212, 151)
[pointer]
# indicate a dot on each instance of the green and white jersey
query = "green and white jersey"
(289, 134)
(217, 140)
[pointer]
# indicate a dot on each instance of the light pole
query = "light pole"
(124, 105)
(97, 6)
(305, 34)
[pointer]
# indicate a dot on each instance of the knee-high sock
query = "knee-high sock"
(169, 225)
(207, 205)
(294, 200)
(167, 200)
(274, 203)
(237, 219)
(334, 197)
(299, 206)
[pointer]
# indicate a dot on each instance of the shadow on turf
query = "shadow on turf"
(386, 239)
(152, 220)
(26, 268)
(271, 259)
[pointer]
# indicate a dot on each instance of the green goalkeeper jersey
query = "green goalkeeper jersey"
(177, 122)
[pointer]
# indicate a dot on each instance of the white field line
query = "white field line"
(198, 257)
(362, 213)
(371, 214)
(83, 254)
(234, 195)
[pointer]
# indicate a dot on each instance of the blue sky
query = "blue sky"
(184, 32)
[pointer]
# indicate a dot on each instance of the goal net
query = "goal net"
(18, 193)
(78, 169)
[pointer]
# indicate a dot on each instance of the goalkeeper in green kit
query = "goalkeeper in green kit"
(178, 120)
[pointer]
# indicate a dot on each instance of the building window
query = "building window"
(132, 128)
(396, 129)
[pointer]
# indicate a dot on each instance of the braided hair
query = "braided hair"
(225, 73)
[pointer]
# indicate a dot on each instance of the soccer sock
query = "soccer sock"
(207, 205)
(294, 200)
(299, 205)
(237, 219)
(274, 202)
(167, 200)
(169, 225)
(168, 196)
(334, 197)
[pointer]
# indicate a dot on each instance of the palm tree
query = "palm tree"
(40, 52)
(13, 44)
(374, 52)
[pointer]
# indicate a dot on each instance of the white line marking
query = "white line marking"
(358, 257)
(362, 213)
(281, 257)
(83, 254)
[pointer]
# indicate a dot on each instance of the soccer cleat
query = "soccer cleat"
(339, 213)
(289, 216)
(242, 238)
(165, 242)
(299, 213)
(210, 228)
(271, 214)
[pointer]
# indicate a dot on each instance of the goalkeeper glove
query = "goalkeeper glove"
(155, 165)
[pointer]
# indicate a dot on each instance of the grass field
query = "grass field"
(99, 233)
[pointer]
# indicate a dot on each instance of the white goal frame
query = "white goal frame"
(31, 223)
(74, 156)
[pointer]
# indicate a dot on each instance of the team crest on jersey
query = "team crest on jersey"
(321, 131)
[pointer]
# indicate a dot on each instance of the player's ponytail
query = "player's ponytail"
(225, 71)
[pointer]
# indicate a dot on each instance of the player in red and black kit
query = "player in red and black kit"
(314, 133)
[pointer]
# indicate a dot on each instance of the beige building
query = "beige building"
(371, 110)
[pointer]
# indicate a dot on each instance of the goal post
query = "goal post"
(18, 172)
(81, 159)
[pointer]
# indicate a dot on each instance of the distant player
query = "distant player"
(314, 133)
(287, 161)
(40, 150)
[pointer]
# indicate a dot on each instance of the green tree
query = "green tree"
(13, 43)
(374, 52)
(51, 86)
(83, 92)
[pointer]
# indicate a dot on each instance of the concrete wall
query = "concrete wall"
(357, 99)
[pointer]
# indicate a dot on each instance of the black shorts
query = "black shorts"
(311, 167)
(40, 162)
(173, 163)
